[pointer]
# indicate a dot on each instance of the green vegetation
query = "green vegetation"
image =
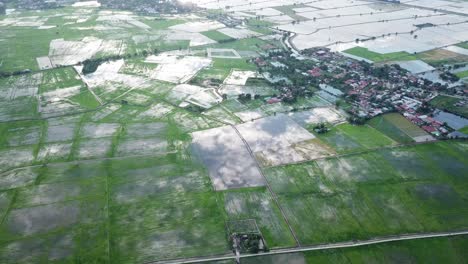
(257, 204)
(396, 127)
(463, 45)
(449, 104)
(217, 36)
(289, 11)
(350, 138)
(464, 130)
(382, 192)
(379, 57)
(59, 78)
(462, 74)
(450, 250)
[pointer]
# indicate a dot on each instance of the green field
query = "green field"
(217, 36)
(289, 11)
(462, 74)
(448, 103)
(379, 57)
(433, 250)
(101, 168)
(396, 127)
(346, 138)
(464, 130)
(383, 192)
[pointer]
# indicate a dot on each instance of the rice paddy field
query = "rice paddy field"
(449, 104)
(397, 127)
(445, 249)
(153, 157)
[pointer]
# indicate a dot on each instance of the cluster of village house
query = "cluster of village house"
(371, 90)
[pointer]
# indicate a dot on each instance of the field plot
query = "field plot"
(318, 115)
(64, 52)
(58, 219)
(257, 204)
(279, 140)
(223, 53)
(416, 251)
(448, 104)
(143, 139)
(265, 133)
(383, 192)
(229, 163)
(199, 96)
(175, 70)
(163, 200)
(399, 128)
(348, 138)
(239, 33)
(239, 77)
(18, 97)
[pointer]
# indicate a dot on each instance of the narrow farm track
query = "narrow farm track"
(345, 244)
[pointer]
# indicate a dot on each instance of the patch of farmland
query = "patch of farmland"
(140, 130)
(19, 109)
(369, 167)
(203, 97)
(15, 157)
(107, 79)
(156, 111)
(18, 178)
(222, 114)
(398, 128)
(232, 91)
(23, 21)
(317, 219)
(249, 115)
(145, 186)
(197, 26)
(183, 241)
(279, 130)
(229, 163)
(58, 102)
(415, 66)
(445, 156)
(177, 70)
(188, 122)
(297, 152)
(239, 33)
(22, 86)
(318, 115)
(57, 192)
(121, 19)
(23, 135)
(298, 179)
(54, 151)
(99, 130)
(94, 148)
(258, 205)
(223, 53)
(144, 146)
(28, 221)
(239, 77)
(397, 214)
(341, 142)
(366, 136)
(105, 111)
(60, 132)
(196, 39)
(63, 52)
(408, 164)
